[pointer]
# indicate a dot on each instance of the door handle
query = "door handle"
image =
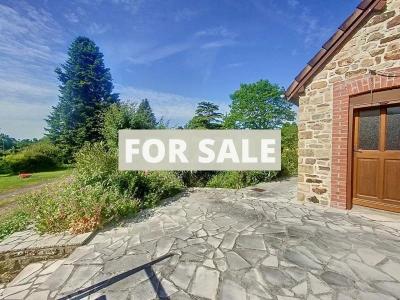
(358, 151)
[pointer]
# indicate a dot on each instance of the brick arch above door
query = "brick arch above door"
(342, 126)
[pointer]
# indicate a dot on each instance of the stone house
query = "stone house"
(349, 113)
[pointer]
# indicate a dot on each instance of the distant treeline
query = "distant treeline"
(8, 143)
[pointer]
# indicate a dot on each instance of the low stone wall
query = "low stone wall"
(13, 262)
(24, 248)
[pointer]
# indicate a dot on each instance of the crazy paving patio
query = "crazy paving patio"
(224, 244)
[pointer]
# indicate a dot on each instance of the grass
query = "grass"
(12, 218)
(9, 183)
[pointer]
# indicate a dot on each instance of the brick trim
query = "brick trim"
(342, 91)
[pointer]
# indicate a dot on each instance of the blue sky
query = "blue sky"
(175, 53)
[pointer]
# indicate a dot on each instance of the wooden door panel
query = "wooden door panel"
(367, 178)
(391, 191)
(376, 157)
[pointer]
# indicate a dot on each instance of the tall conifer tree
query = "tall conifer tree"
(85, 92)
(145, 115)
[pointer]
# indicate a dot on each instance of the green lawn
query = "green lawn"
(8, 183)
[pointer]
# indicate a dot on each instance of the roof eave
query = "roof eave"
(362, 12)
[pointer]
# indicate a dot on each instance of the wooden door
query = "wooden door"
(376, 158)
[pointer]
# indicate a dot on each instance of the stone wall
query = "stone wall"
(23, 248)
(13, 262)
(375, 46)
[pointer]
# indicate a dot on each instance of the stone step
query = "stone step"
(29, 279)
(26, 247)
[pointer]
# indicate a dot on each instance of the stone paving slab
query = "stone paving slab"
(26, 247)
(30, 239)
(225, 244)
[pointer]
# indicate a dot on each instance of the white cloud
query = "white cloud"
(25, 32)
(235, 65)
(310, 28)
(184, 14)
(211, 38)
(157, 53)
(131, 6)
(219, 31)
(24, 106)
(293, 3)
(301, 20)
(151, 54)
(26, 90)
(221, 35)
(76, 15)
(176, 108)
(96, 29)
(23, 120)
(71, 17)
(27, 81)
(218, 44)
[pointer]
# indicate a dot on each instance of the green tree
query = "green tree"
(7, 142)
(85, 92)
(117, 117)
(289, 147)
(206, 117)
(128, 116)
(259, 106)
(144, 116)
(26, 142)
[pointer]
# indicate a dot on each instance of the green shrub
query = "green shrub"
(161, 185)
(289, 150)
(289, 162)
(229, 179)
(97, 193)
(116, 117)
(96, 164)
(195, 178)
(4, 166)
(255, 177)
(14, 222)
(70, 206)
(240, 179)
(42, 156)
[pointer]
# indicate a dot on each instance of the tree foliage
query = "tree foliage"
(9, 144)
(37, 157)
(206, 117)
(259, 106)
(127, 116)
(85, 92)
(289, 147)
(289, 133)
(144, 116)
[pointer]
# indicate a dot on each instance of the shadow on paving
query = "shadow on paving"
(155, 282)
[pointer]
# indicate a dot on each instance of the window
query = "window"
(393, 128)
(369, 129)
